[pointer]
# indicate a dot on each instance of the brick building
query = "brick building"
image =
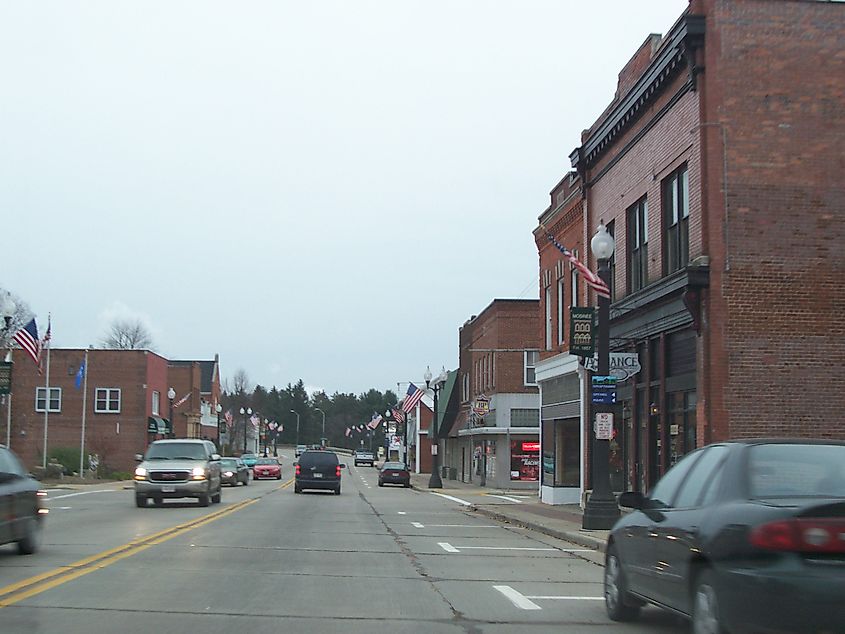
(126, 404)
(498, 352)
(718, 169)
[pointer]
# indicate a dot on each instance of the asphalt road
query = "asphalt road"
(266, 560)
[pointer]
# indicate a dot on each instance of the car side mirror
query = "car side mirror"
(632, 500)
(343, 465)
(139, 457)
(215, 456)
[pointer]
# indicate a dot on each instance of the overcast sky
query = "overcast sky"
(315, 190)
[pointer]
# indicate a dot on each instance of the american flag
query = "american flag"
(255, 421)
(412, 397)
(182, 400)
(398, 414)
(27, 337)
(592, 280)
(229, 418)
(374, 422)
(348, 432)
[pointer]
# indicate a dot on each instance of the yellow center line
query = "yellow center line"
(15, 592)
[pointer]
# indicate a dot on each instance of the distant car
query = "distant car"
(178, 468)
(364, 457)
(21, 510)
(743, 536)
(267, 468)
(318, 470)
(300, 449)
(394, 473)
(249, 459)
(233, 471)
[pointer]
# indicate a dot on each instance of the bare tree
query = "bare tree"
(128, 334)
(240, 382)
(18, 313)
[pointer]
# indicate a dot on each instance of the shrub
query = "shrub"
(68, 457)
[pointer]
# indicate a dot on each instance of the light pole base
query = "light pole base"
(434, 482)
(600, 512)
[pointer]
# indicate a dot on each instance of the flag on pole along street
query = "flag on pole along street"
(374, 421)
(182, 400)
(45, 344)
(27, 337)
(398, 414)
(229, 418)
(254, 420)
(80, 374)
(412, 397)
(592, 280)
(348, 432)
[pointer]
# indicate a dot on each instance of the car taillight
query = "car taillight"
(337, 471)
(820, 535)
(297, 469)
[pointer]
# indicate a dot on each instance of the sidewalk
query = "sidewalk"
(524, 509)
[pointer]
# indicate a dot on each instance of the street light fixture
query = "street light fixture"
(323, 439)
(602, 510)
(297, 425)
(219, 409)
(7, 309)
(171, 394)
(437, 384)
(244, 413)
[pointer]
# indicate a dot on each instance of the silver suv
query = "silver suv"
(185, 468)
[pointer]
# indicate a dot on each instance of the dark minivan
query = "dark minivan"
(318, 470)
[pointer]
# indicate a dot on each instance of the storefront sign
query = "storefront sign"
(481, 406)
(582, 331)
(604, 426)
(623, 365)
(531, 446)
(6, 377)
(525, 461)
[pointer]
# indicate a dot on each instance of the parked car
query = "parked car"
(300, 449)
(361, 456)
(178, 468)
(741, 536)
(318, 470)
(394, 473)
(267, 468)
(22, 513)
(233, 471)
(249, 459)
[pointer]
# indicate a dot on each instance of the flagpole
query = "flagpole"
(46, 405)
(9, 408)
(84, 411)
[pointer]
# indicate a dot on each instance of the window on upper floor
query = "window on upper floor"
(156, 403)
(107, 400)
(561, 310)
(548, 300)
(676, 220)
(637, 245)
(465, 388)
(55, 404)
(611, 230)
(531, 358)
(573, 283)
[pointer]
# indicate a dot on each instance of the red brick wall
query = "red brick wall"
(775, 81)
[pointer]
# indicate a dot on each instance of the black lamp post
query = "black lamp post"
(323, 439)
(171, 394)
(219, 409)
(244, 413)
(297, 426)
(437, 384)
(602, 510)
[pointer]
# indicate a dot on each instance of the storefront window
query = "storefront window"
(525, 460)
(548, 453)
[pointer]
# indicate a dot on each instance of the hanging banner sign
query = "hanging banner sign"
(6, 377)
(481, 406)
(582, 331)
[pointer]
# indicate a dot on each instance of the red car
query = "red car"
(267, 468)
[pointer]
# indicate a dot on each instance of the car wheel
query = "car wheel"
(203, 499)
(279, 477)
(140, 501)
(616, 589)
(246, 480)
(337, 491)
(31, 540)
(296, 489)
(215, 499)
(381, 484)
(705, 609)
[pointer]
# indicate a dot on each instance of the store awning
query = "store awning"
(159, 425)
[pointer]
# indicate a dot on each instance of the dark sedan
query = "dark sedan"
(233, 471)
(745, 536)
(21, 511)
(394, 473)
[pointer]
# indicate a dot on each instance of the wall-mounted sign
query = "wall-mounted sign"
(481, 406)
(6, 377)
(623, 365)
(582, 331)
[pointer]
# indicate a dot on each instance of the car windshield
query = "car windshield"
(267, 461)
(786, 470)
(229, 463)
(176, 451)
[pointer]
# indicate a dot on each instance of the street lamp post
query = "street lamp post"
(244, 413)
(219, 410)
(323, 439)
(297, 425)
(602, 510)
(437, 384)
(171, 394)
(7, 310)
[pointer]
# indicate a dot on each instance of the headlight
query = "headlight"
(198, 473)
(228, 474)
(140, 473)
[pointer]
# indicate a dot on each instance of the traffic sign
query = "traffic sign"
(604, 396)
(604, 426)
